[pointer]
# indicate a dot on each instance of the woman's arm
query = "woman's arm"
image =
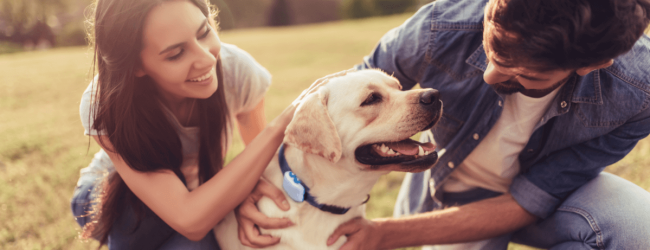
(194, 214)
(252, 123)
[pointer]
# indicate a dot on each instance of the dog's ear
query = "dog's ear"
(312, 130)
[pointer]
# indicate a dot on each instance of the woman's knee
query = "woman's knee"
(81, 203)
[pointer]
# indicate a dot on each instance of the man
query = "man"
(567, 93)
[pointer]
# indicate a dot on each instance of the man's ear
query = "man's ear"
(585, 70)
(312, 130)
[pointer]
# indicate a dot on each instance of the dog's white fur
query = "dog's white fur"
(320, 144)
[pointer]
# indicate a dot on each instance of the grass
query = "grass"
(43, 147)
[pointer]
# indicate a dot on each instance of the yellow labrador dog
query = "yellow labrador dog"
(342, 138)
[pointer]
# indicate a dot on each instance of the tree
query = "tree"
(390, 7)
(280, 14)
(357, 9)
(25, 20)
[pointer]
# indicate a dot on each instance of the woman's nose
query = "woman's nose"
(492, 76)
(205, 57)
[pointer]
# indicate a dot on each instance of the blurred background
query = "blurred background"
(41, 24)
(45, 67)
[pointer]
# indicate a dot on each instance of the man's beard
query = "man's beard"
(507, 87)
(511, 87)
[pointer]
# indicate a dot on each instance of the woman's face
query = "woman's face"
(180, 51)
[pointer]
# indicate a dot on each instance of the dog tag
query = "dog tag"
(291, 185)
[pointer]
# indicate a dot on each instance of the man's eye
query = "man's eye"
(371, 99)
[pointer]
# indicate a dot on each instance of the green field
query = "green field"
(42, 146)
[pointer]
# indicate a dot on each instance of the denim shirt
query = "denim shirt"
(594, 120)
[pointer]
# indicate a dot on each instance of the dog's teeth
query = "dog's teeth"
(420, 151)
(391, 152)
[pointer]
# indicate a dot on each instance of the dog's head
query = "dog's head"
(365, 117)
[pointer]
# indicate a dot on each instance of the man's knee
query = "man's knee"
(608, 212)
(615, 209)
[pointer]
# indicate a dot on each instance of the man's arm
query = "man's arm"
(401, 52)
(475, 221)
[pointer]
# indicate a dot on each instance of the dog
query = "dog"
(342, 138)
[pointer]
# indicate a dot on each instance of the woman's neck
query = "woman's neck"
(183, 108)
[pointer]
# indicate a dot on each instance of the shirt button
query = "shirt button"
(475, 136)
(450, 164)
(563, 104)
(500, 103)
(530, 150)
(543, 119)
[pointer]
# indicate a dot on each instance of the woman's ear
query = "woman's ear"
(585, 70)
(139, 72)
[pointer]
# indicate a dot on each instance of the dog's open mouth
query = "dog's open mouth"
(401, 152)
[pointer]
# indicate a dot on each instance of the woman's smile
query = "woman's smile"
(205, 79)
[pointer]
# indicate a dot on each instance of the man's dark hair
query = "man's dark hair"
(566, 34)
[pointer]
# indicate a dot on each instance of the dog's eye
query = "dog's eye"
(371, 99)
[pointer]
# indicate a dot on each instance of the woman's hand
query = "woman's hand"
(249, 218)
(285, 117)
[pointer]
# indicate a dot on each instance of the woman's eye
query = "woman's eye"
(207, 31)
(371, 99)
(174, 57)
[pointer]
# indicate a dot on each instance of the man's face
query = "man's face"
(507, 77)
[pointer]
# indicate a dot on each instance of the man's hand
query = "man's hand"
(361, 233)
(249, 217)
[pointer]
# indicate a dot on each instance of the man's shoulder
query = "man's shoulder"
(458, 14)
(633, 67)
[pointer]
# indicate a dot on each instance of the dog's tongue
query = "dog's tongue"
(410, 147)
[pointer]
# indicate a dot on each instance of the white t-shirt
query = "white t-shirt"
(245, 83)
(494, 162)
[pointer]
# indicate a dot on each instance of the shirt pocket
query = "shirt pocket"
(445, 129)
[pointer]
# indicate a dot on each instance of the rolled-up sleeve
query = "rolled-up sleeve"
(542, 188)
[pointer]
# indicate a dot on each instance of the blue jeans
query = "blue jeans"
(152, 233)
(608, 212)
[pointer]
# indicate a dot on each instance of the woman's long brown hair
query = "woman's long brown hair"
(126, 107)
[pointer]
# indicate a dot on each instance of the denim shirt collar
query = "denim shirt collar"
(576, 90)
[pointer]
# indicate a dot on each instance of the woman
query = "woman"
(162, 108)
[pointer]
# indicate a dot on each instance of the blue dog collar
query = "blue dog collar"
(298, 191)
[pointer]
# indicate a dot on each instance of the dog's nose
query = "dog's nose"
(429, 97)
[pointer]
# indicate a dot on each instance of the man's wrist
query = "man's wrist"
(385, 233)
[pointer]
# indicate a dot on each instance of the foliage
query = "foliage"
(29, 21)
(390, 7)
(280, 13)
(366, 8)
(242, 13)
(9, 47)
(358, 9)
(72, 34)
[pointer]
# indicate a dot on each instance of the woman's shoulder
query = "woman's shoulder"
(237, 61)
(245, 79)
(87, 107)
